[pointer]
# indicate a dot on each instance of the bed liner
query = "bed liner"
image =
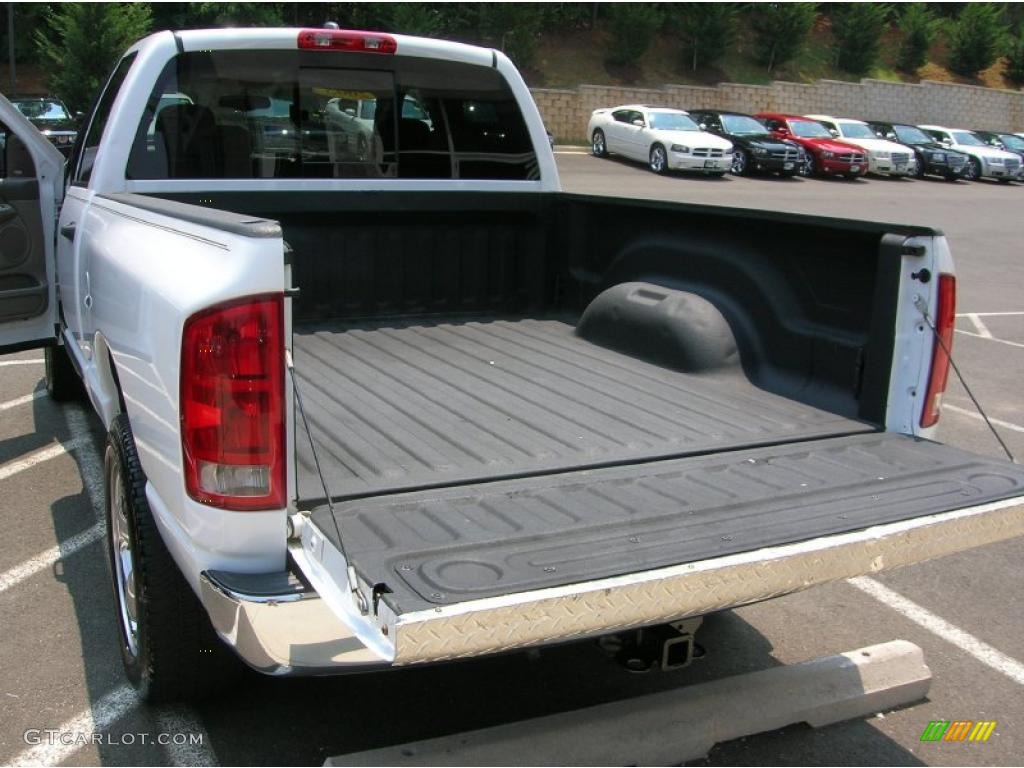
(412, 404)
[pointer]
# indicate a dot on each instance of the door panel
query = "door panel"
(30, 173)
(23, 280)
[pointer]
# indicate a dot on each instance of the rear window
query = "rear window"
(322, 115)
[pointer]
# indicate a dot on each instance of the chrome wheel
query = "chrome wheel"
(597, 144)
(659, 160)
(807, 166)
(123, 557)
(739, 162)
(973, 170)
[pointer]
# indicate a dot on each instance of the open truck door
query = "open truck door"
(31, 184)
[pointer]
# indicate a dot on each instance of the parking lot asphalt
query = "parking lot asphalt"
(60, 668)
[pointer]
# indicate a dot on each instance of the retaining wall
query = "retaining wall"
(566, 111)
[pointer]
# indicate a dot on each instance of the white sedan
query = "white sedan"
(884, 156)
(665, 139)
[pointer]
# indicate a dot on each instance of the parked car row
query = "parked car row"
(715, 142)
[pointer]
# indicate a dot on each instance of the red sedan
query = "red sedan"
(825, 156)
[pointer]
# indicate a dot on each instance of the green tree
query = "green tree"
(200, 15)
(977, 39)
(420, 19)
(919, 26)
(780, 31)
(705, 31)
(633, 26)
(1015, 59)
(514, 28)
(81, 42)
(858, 30)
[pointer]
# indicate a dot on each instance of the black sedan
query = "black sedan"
(755, 149)
(933, 158)
(50, 116)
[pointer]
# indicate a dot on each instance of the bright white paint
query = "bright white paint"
(636, 142)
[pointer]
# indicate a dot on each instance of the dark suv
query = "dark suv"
(933, 158)
(51, 117)
(755, 150)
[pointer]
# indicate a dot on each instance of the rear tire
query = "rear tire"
(598, 146)
(169, 648)
(62, 382)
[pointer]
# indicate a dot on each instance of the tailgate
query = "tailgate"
(490, 567)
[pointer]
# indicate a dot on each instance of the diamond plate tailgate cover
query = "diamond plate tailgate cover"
(476, 569)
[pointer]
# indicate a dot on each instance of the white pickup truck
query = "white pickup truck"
(383, 408)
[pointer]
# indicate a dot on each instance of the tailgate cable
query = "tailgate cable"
(923, 309)
(353, 581)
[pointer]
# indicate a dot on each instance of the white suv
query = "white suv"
(985, 161)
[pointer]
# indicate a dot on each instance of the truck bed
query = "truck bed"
(407, 405)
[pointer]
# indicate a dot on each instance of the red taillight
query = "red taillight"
(945, 319)
(232, 404)
(346, 40)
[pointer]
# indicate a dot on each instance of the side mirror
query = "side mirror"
(834, 132)
(350, 111)
(703, 126)
(639, 123)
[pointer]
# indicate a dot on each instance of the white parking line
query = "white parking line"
(92, 481)
(975, 415)
(44, 454)
(100, 716)
(22, 400)
(980, 650)
(979, 325)
(32, 361)
(178, 720)
(991, 338)
(990, 314)
(46, 559)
